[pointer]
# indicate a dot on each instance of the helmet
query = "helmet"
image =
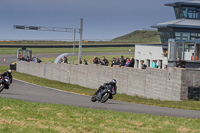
(114, 81)
(9, 71)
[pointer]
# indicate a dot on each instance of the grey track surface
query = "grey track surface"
(34, 93)
(12, 58)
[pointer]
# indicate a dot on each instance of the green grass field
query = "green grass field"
(6, 51)
(23, 117)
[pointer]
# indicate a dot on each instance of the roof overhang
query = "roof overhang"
(175, 26)
(184, 3)
(179, 23)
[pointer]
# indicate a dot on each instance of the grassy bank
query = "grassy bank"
(6, 51)
(189, 104)
(20, 117)
(140, 36)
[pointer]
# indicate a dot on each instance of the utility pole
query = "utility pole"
(80, 41)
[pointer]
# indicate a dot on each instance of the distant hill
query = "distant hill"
(140, 36)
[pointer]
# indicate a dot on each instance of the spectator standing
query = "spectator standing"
(101, 62)
(85, 62)
(180, 63)
(95, 60)
(105, 61)
(65, 59)
(117, 61)
(20, 55)
(38, 60)
(28, 59)
(127, 62)
(60, 61)
(192, 58)
(113, 62)
(34, 59)
(132, 62)
(143, 66)
(123, 61)
(154, 65)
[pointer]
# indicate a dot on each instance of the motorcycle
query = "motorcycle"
(5, 83)
(103, 94)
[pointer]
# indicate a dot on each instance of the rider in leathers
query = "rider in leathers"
(8, 73)
(110, 85)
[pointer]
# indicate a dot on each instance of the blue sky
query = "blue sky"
(102, 19)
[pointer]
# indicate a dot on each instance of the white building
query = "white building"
(148, 53)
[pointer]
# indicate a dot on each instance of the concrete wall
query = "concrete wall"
(153, 83)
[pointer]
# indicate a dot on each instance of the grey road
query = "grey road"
(34, 93)
(12, 58)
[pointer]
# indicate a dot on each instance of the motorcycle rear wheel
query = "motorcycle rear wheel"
(1, 87)
(105, 97)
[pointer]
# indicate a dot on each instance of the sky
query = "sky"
(102, 19)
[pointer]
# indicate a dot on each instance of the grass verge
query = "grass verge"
(189, 104)
(21, 116)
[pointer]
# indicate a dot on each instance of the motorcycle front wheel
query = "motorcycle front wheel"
(93, 99)
(1, 87)
(105, 97)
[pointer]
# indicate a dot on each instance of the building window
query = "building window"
(198, 13)
(178, 12)
(189, 12)
(195, 36)
(179, 50)
(188, 51)
(182, 35)
(184, 9)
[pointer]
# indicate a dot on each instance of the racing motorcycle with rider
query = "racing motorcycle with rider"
(5, 80)
(105, 92)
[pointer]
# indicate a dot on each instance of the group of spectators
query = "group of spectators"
(63, 60)
(28, 59)
(128, 62)
(179, 64)
(154, 65)
(103, 62)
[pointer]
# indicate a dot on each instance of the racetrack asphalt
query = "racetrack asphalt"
(12, 58)
(34, 93)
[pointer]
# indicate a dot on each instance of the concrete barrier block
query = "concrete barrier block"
(169, 84)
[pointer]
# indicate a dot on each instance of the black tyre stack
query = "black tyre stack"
(194, 93)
